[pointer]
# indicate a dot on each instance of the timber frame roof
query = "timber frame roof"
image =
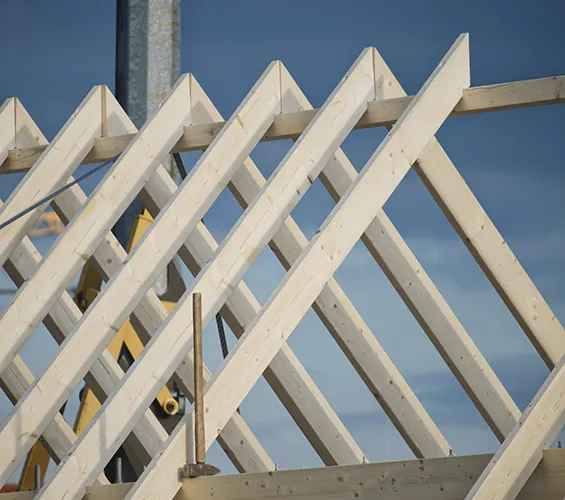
(368, 96)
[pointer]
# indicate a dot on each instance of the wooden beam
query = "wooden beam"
(136, 389)
(286, 376)
(57, 162)
(431, 479)
(479, 234)
(522, 451)
(102, 210)
(482, 99)
(131, 283)
(56, 380)
(338, 314)
(237, 440)
(424, 300)
(58, 437)
(303, 283)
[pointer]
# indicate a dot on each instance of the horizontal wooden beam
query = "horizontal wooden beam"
(482, 99)
(446, 478)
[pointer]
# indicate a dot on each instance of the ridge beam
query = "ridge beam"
(481, 99)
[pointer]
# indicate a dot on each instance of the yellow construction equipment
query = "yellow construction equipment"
(126, 338)
(48, 223)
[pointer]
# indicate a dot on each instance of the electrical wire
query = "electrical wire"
(219, 321)
(55, 193)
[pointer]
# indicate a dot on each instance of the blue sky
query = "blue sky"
(512, 160)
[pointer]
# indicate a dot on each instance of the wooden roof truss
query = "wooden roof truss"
(369, 95)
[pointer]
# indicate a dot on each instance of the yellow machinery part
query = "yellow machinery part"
(88, 287)
(38, 455)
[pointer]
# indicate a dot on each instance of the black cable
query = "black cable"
(219, 321)
(55, 193)
(222, 333)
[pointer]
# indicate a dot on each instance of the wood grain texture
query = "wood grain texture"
(430, 479)
(482, 99)
(302, 284)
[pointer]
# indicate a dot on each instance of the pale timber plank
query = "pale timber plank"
(105, 373)
(307, 277)
(56, 381)
(130, 284)
(289, 380)
(338, 115)
(58, 437)
(430, 479)
(79, 240)
(335, 310)
(75, 245)
(240, 445)
(522, 451)
(485, 243)
(52, 169)
(485, 98)
(237, 440)
(425, 301)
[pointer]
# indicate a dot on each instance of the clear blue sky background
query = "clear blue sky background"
(54, 52)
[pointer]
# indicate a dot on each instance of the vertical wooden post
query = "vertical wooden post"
(199, 439)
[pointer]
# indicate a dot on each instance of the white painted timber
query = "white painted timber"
(521, 452)
(336, 118)
(482, 99)
(50, 171)
(101, 211)
(307, 277)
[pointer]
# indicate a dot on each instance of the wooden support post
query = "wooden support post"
(199, 436)
(304, 282)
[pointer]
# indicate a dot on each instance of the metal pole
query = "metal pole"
(37, 477)
(147, 67)
(119, 476)
(199, 438)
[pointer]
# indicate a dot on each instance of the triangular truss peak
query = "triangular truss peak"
(275, 108)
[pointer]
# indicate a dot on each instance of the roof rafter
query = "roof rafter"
(302, 284)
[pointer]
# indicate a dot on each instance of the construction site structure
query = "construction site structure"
(171, 461)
